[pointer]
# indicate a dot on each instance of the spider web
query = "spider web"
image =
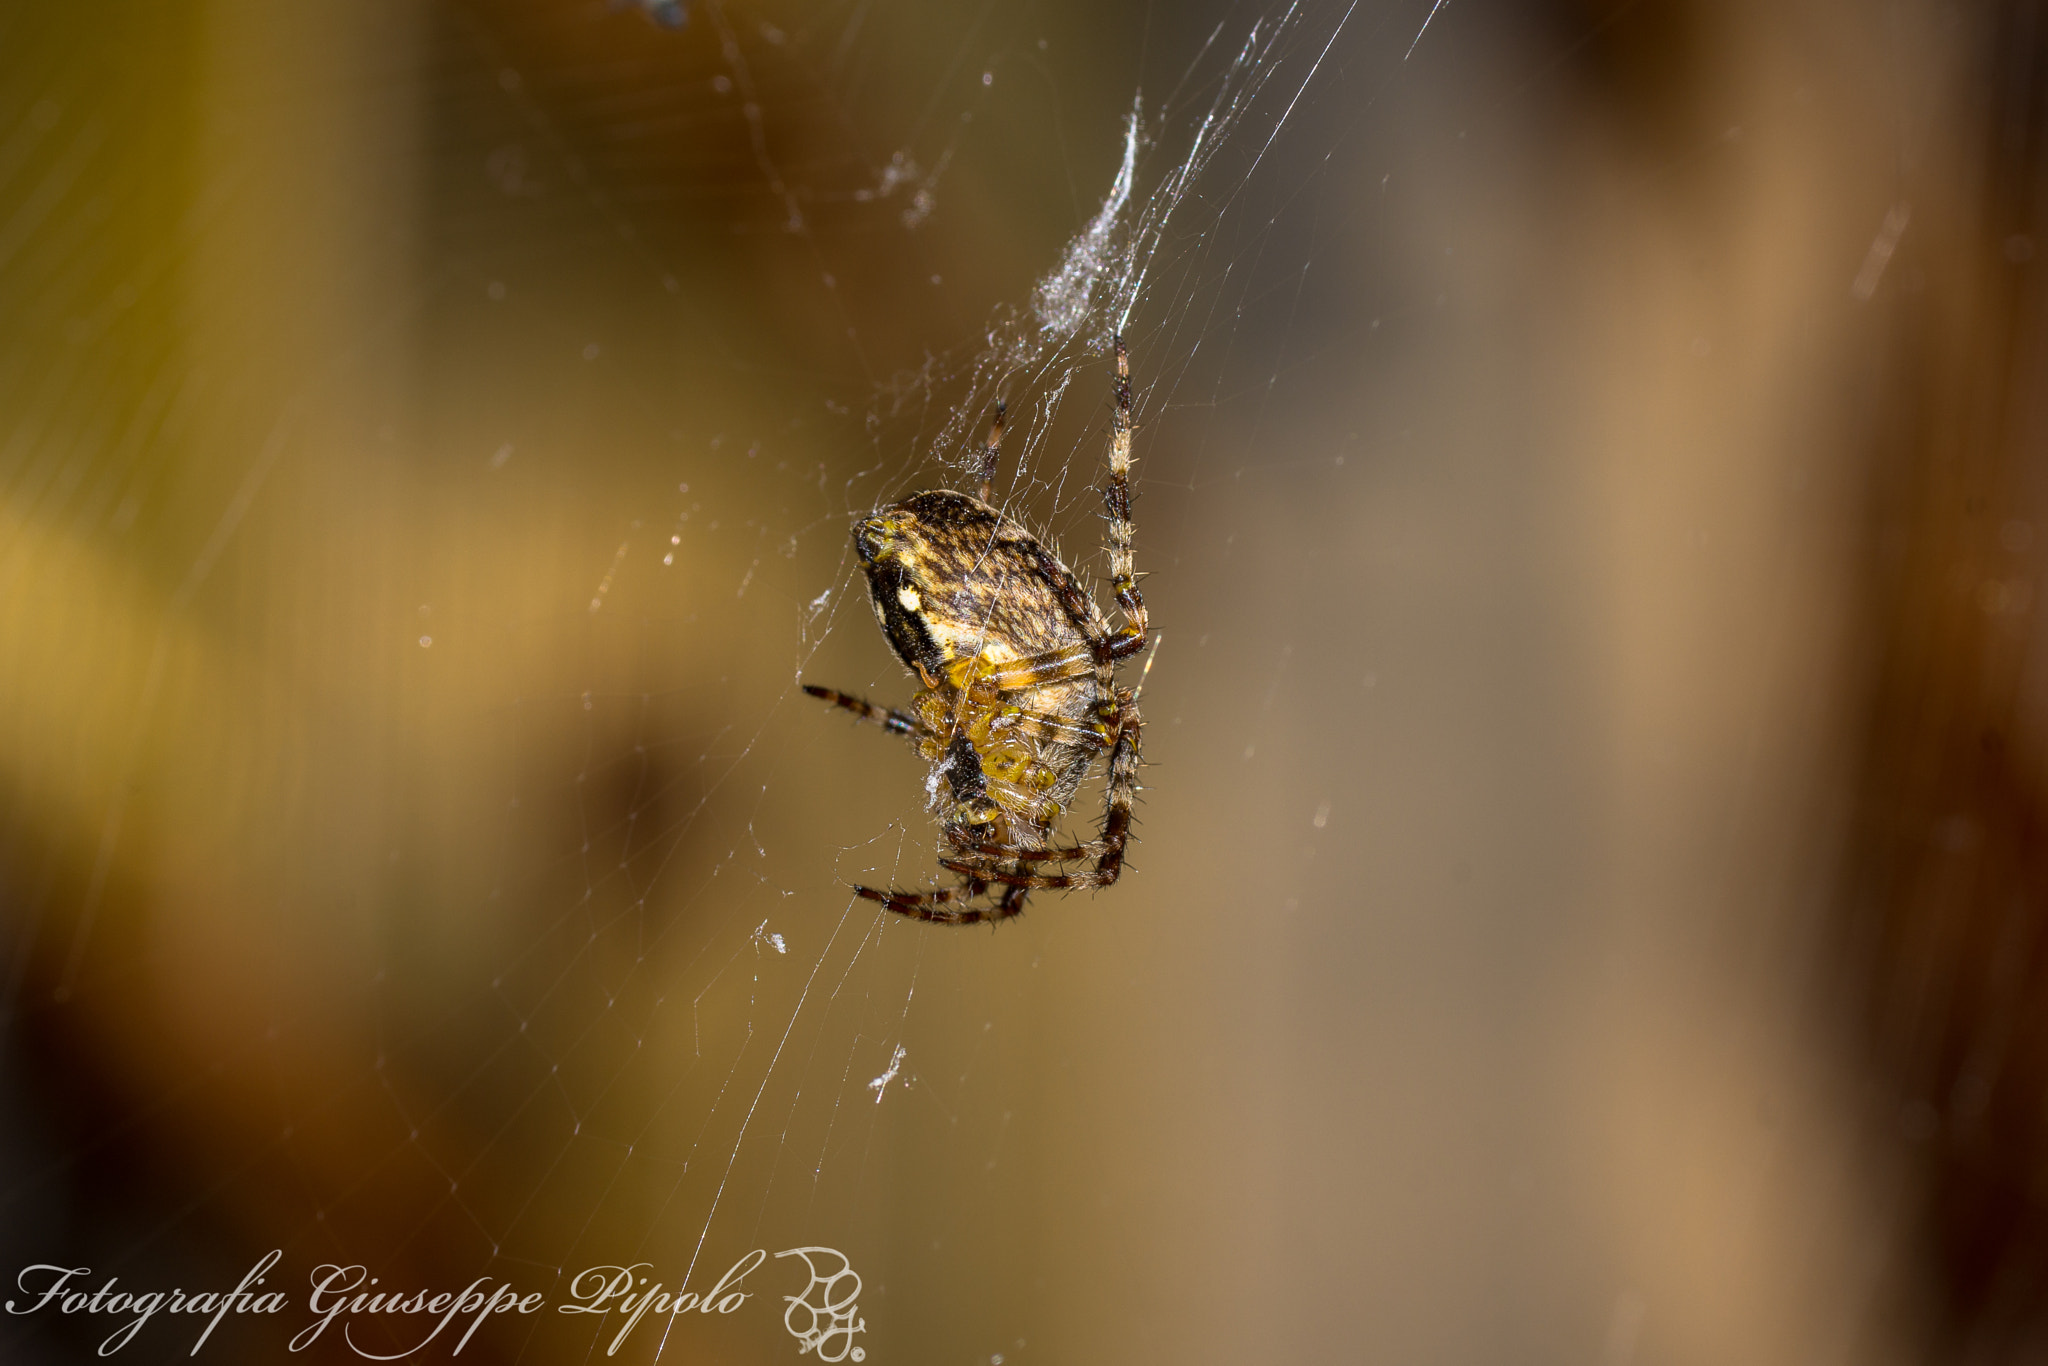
(458, 872)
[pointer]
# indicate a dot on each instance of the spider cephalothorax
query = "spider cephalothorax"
(1019, 671)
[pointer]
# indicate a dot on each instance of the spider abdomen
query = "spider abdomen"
(953, 579)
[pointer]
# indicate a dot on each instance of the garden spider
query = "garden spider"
(1019, 672)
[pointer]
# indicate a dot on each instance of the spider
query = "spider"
(1019, 671)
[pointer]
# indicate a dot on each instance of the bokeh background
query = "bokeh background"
(1591, 902)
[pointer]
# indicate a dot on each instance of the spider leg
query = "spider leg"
(938, 907)
(1045, 726)
(1034, 671)
(981, 858)
(1117, 499)
(1057, 882)
(1121, 794)
(888, 718)
(924, 905)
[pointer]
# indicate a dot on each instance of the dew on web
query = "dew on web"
(880, 1085)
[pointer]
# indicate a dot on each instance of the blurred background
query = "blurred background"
(1591, 904)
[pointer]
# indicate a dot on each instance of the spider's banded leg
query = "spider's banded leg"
(1121, 793)
(1045, 726)
(923, 905)
(938, 907)
(1017, 877)
(888, 718)
(1054, 882)
(1116, 498)
(1034, 671)
(980, 858)
(991, 450)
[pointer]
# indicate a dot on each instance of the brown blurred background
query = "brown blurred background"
(1591, 904)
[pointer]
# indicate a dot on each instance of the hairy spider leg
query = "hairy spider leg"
(1043, 726)
(888, 718)
(937, 906)
(1117, 499)
(1054, 666)
(987, 855)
